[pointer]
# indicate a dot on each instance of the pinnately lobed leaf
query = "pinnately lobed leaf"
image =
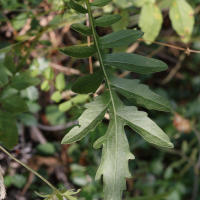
(116, 151)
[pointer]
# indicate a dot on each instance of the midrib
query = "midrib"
(111, 96)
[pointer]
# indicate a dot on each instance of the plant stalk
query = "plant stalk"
(27, 167)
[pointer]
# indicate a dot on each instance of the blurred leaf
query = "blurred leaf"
(9, 63)
(46, 149)
(8, 130)
(48, 73)
(139, 3)
(14, 104)
(28, 119)
(54, 116)
(30, 93)
(182, 17)
(19, 21)
(150, 21)
(56, 96)
(123, 23)
(19, 180)
(23, 81)
(60, 82)
(45, 86)
(168, 173)
(3, 76)
(64, 107)
(33, 107)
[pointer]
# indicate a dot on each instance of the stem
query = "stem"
(27, 167)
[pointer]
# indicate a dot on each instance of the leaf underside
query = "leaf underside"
(116, 151)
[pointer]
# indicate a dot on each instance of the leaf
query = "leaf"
(116, 151)
(150, 21)
(85, 30)
(23, 81)
(68, 194)
(19, 21)
(56, 96)
(182, 17)
(133, 62)
(14, 104)
(139, 94)
(107, 20)
(100, 3)
(45, 86)
(79, 51)
(120, 38)
(64, 107)
(89, 83)
(3, 76)
(137, 3)
(48, 73)
(89, 119)
(77, 7)
(8, 130)
(9, 63)
(60, 82)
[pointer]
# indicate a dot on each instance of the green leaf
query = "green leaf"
(14, 104)
(81, 98)
(23, 81)
(89, 119)
(120, 38)
(79, 51)
(139, 3)
(64, 107)
(3, 76)
(9, 63)
(8, 130)
(88, 83)
(60, 82)
(134, 63)
(68, 194)
(45, 86)
(85, 30)
(48, 73)
(56, 96)
(139, 94)
(107, 20)
(150, 21)
(46, 149)
(77, 7)
(182, 17)
(19, 21)
(100, 3)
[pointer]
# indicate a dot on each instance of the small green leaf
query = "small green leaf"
(89, 119)
(85, 30)
(79, 51)
(9, 63)
(14, 104)
(182, 17)
(60, 82)
(134, 63)
(3, 76)
(150, 21)
(68, 194)
(45, 86)
(88, 83)
(77, 7)
(100, 3)
(139, 3)
(107, 20)
(64, 107)
(120, 38)
(23, 81)
(8, 130)
(56, 96)
(48, 73)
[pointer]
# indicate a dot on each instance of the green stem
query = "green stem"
(27, 167)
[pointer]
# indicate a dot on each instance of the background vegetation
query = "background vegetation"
(32, 31)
